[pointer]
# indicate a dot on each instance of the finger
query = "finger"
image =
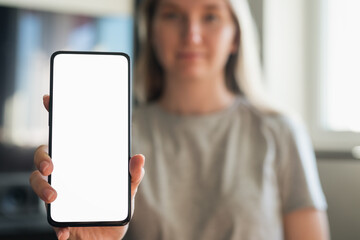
(42, 188)
(137, 171)
(43, 161)
(62, 233)
(46, 101)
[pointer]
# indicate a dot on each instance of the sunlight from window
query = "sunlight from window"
(342, 71)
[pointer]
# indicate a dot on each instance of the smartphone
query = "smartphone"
(89, 138)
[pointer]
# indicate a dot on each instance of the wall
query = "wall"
(340, 180)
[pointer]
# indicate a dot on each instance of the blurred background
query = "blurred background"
(309, 51)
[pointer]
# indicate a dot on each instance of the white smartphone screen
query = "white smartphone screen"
(89, 140)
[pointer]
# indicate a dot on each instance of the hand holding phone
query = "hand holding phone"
(41, 187)
(88, 105)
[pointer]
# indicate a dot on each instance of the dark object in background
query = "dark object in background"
(33, 236)
(16, 159)
(21, 211)
(7, 52)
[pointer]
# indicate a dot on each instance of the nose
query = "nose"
(192, 33)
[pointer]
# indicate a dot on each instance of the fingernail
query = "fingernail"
(43, 166)
(48, 194)
(142, 172)
(59, 234)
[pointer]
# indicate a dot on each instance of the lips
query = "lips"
(190, 55)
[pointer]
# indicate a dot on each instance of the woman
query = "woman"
(221, 164)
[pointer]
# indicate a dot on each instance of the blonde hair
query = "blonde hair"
(243, 68)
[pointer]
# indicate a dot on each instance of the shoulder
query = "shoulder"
(144, 119)
(286, 132)
(140, 116)
(142, 112)
(288, 136)
(138, 111)
(274, 120)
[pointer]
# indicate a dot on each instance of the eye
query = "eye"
(170, 15)
(210, 17)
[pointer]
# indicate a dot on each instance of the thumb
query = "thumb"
(137, 172)
(46, 101)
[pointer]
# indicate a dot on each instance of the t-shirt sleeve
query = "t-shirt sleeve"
(298, 177)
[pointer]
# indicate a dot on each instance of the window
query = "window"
(311, 51)
(341, 79)
(35, 36)
(338, 114)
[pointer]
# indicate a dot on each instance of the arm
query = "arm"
(307, 223)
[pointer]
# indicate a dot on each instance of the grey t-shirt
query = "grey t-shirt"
(231, 174)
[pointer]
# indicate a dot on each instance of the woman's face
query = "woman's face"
(193, 38)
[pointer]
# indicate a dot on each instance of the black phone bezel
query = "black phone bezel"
(48, 207)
